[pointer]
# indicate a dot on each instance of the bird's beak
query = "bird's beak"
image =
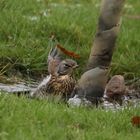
(76, 66)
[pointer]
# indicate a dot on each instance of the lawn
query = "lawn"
(25, 119)
(25, 27)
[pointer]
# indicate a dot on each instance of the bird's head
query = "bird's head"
(66, 67)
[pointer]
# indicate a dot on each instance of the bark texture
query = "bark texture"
(106, 35)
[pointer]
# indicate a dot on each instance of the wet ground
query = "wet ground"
(132, 98)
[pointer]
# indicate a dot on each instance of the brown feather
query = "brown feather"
(69, 53)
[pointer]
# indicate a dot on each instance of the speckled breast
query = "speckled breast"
(63, 85)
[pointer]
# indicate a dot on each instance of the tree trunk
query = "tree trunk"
(92, 83)
(107, 31)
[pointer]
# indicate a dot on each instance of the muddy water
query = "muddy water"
(17, 88)
(127, 101)
(132, 99)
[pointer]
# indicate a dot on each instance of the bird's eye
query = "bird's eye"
(66, 65)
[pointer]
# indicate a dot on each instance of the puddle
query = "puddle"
(17, 88)
(130, 100)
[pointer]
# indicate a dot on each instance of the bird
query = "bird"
(60, 80)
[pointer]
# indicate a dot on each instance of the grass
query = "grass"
(26, 26)
(22, 118)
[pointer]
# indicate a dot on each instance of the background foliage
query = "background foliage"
(25, 27)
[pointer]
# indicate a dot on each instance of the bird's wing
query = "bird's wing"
(40, 91)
